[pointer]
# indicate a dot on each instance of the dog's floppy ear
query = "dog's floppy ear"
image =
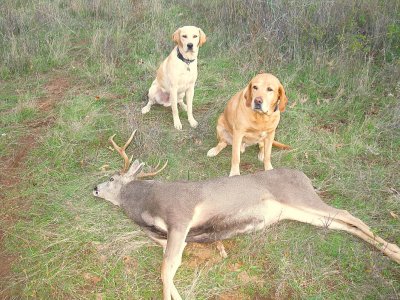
(203, 37)
(176, 36)
(247, 94)
(282, 97)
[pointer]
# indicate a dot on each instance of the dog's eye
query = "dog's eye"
(269, 89)
(255, 87)
(184, 36)
(111, 179)
(195, 36)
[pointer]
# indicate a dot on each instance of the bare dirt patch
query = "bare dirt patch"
(199, 254)
(13, 168)
(6, 261)
(55, 91)
(13, 164)
(232, 295)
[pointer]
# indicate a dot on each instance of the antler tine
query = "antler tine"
(129, 140)
(157, 164)
(142, 174)
(121, 151)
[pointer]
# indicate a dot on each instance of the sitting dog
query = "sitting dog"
(251, 117)
(177, 75)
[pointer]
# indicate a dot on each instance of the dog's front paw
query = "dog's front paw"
(178, 125)
(212, 152)
(268, 167)
(193, 122)
(145, 110)
(234, 172)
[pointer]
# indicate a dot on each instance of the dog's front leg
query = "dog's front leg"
(171, 261)
(173, 96)
(267, 150)
(189, 103)
(236, 145)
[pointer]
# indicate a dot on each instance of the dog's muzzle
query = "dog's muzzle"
(258, 103)
(257, 106)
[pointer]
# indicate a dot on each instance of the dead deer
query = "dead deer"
(174, 213)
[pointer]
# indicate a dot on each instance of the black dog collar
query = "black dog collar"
(185, 60)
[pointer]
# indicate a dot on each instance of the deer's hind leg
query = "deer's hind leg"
(333, 218)
(345, 221)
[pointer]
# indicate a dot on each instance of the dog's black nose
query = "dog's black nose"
(258, 103)
(190, 46)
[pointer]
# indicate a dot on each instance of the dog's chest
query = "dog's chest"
(254, 137)
(260, 130)
(186, 79)
(187, 72)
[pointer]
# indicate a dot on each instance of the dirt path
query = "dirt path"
(13, 166)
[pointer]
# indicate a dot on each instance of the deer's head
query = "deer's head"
(110, 189)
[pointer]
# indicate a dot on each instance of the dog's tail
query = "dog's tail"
(280, 145)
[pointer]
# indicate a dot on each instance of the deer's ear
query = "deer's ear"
(135, 168)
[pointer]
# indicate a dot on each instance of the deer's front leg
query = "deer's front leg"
(171, 261)
(174, 105)
(267, 150)
(189, 103)
(236, 145)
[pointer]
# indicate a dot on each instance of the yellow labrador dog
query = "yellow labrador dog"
(251, 117)
(177, 75)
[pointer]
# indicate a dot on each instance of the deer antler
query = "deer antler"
(121, 151)
(143, 174)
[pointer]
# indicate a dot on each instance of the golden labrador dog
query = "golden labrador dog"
(251, 117)
(177, 75)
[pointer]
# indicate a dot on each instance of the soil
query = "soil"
(13, 167)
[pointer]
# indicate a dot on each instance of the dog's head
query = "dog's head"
(265, 94)
(189, 39)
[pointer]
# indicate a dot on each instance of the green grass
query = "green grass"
(342, 122)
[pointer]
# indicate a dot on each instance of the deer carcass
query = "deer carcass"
(174, 213)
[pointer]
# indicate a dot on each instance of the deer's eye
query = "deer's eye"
(111, 179)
